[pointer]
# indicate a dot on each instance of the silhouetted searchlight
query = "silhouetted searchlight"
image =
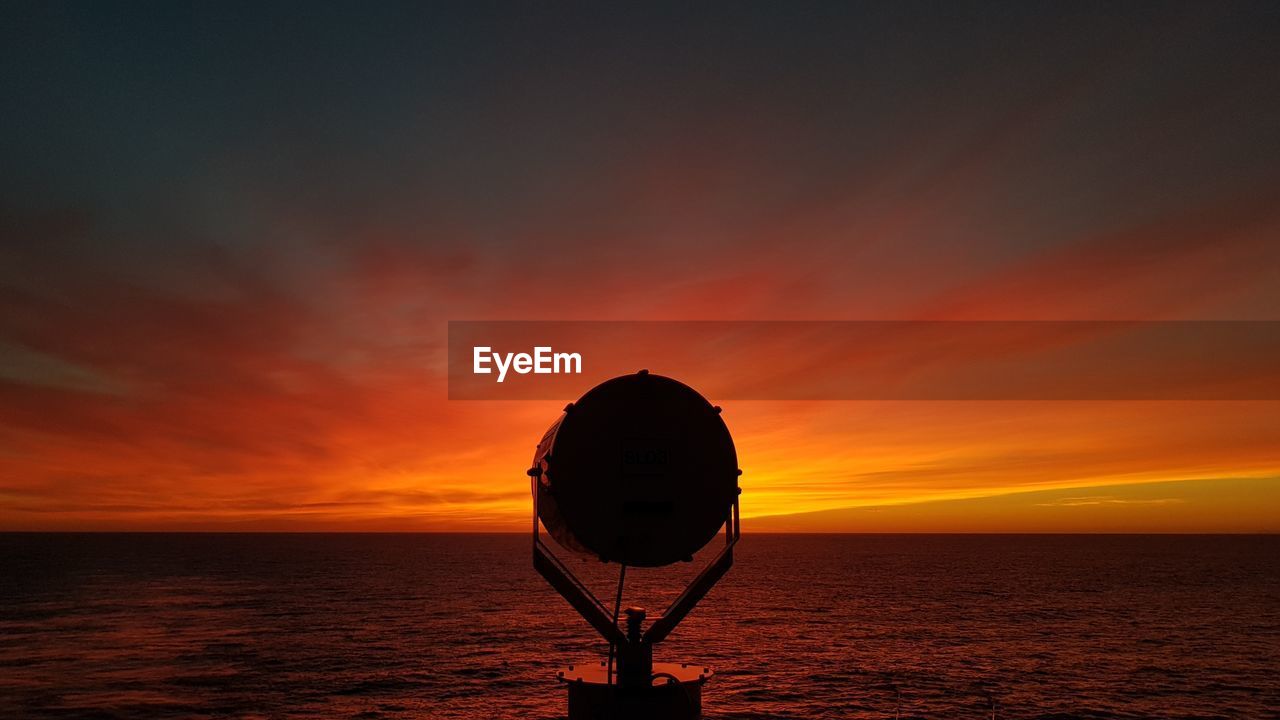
(640, 471)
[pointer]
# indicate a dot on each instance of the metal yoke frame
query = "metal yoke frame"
(635, 654)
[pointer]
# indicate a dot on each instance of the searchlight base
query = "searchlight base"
(675, 693)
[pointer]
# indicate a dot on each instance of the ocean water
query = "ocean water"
(460, 626)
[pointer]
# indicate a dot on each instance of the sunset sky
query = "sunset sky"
(232, 239)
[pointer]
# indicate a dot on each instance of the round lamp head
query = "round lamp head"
(641, 471)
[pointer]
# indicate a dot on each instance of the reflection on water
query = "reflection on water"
(459, 626)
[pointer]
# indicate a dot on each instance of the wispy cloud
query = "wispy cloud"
(1092, 500)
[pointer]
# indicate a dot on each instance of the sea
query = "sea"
(803, 626)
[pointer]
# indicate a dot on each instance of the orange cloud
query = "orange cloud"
(299, 384)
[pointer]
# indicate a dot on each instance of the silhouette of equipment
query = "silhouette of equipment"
(640, 471)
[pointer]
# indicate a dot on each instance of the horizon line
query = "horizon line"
(526, 532)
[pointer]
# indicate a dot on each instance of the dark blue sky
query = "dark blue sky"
(495, 116)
